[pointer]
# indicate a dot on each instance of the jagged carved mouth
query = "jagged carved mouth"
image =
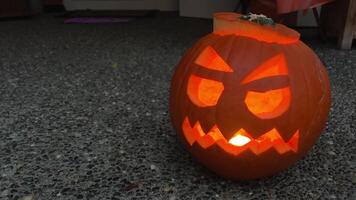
(241, 140)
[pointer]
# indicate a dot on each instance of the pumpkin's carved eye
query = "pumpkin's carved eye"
(272, 103)
(204, 92)
(210, 59)
(275, 66)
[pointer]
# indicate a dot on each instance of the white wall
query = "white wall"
(205, 8)
(165, 5)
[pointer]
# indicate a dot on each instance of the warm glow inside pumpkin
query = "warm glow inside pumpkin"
(249, 100)
(205, 92)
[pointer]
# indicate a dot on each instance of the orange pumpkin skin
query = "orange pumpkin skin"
(224, 87)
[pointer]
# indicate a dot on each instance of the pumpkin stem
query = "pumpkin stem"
(259, 19)
(253, 26)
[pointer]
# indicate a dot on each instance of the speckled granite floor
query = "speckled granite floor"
(83, 115)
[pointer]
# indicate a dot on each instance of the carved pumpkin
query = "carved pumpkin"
(249, 100)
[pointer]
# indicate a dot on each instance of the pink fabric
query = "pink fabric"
(286, 6)
(96, 20)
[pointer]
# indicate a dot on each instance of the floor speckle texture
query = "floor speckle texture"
(83, 115)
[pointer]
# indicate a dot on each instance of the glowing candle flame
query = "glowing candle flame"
(239, 140)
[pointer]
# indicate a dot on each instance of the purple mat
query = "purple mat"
(96, 20)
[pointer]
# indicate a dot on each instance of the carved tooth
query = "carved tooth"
(294, 141)
(216, 134)
(197, 128)
(188, 131)
(271, 139)
(206, 141)
(281, 146)
(211, 138)
(260, 147)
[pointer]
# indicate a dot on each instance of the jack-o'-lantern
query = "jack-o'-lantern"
(249, 100)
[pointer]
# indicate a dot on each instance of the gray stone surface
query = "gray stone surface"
(83, 115)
